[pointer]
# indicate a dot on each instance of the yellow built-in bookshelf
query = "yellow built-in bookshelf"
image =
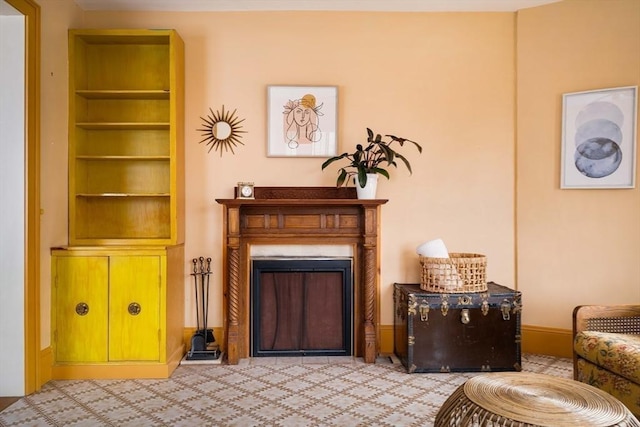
(126, 104)
(118, 287)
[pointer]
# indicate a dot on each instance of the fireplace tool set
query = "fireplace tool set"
(203, 345)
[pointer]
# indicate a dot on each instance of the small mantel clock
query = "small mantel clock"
(245, 190)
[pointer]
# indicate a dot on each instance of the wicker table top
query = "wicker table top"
(535, 399)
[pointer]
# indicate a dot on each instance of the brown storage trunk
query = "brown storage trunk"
(467, 332)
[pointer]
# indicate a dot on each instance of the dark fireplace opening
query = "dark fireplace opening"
(301, 307)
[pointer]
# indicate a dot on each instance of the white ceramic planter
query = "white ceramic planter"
(369, 190)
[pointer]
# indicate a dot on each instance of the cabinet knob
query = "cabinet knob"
(82, 308)
(134, 309)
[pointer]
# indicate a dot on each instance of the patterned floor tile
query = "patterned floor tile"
(256, 393)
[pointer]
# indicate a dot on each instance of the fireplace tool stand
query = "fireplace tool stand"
(203, 346)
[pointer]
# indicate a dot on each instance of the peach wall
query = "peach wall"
(56, 18)
(574, 246)
(445, 80)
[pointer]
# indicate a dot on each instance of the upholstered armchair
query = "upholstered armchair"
(606, 350)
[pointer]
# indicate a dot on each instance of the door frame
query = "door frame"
(33, 376)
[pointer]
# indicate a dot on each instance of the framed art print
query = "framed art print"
(302, 121)
(599, 138)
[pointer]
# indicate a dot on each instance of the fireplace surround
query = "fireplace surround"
(300, 216)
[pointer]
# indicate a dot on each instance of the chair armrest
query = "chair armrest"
(620, 318)
(624, 318)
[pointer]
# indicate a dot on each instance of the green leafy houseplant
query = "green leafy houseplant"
(374, 158)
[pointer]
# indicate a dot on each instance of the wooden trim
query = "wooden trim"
(300, 215)
(120, 370)
(547, 341)
(126, 370)
(386, 339)
(46, 362)
(582, 314)
(31, 11)
(535, 340)
(298, 193)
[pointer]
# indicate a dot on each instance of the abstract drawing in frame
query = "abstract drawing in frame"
(599, 138)
(302, 121)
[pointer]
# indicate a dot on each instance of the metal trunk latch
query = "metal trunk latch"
(424, 312)
(464, 316)
(505, 308)
(484, 307)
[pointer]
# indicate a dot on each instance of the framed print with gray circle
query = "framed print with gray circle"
(302, 121)
(599, 138)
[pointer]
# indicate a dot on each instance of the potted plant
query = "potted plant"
(367, 162)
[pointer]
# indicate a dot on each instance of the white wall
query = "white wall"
(12, 202)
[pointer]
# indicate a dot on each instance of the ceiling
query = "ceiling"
(343, 5)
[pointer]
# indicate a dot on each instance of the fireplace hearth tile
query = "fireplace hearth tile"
(263, 361)
(305, 360)
(340, 360)
(288, 360)
(308, 360)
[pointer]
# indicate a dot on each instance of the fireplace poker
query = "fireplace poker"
(195, 285)
(201, 337)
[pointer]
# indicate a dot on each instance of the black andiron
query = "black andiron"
(203, 345)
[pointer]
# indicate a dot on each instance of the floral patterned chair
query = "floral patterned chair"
(606, 350)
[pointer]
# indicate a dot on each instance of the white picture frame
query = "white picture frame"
(599, 139)
(302, 121)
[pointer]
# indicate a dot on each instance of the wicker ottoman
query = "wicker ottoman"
(527, 399)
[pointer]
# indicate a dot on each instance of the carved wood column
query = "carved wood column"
(233, 283)
(370, 268)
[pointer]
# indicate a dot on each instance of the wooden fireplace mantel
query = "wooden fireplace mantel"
(306, 216)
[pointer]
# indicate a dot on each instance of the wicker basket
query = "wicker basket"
(459, 273)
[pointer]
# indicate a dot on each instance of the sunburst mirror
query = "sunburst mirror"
(222, 130)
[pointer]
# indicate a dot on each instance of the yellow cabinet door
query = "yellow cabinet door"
(134, 308)
(82, 292)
